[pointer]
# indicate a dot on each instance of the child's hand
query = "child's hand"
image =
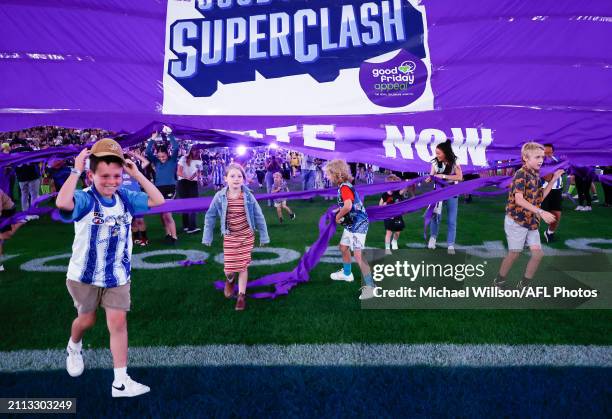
(548, 217)
(130, 168)
(79, 161)
(558, 173)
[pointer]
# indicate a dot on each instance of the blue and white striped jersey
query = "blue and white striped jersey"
(102, 247)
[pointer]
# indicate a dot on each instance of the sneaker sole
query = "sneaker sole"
(122, 394)
(75, 374)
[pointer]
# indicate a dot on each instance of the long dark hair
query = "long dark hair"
(450, 156)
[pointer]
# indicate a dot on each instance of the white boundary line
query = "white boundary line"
(431, 355)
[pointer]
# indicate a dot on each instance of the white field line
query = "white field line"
(433, 355)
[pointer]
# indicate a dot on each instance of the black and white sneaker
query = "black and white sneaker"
(129, 388)
(502, 285)
(550, 237)
(74, 362)
(523, 283)
(292, 215)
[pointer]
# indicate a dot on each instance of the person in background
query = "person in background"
(272, 166)
(445, 167)
(308, 172)
(165, 177)
(280, 185)
(28, 176)
(553, 201)
(187, 186)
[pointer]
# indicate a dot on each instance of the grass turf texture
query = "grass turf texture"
(179, 306)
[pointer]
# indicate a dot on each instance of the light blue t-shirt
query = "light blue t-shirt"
(83, 203)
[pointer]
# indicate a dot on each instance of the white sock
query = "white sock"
(387, 245)
(394, 242)
(120, 374)
(75, 346)
(550, 232)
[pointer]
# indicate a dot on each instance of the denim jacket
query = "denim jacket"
(218, 208)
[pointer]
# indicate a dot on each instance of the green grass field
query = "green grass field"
(179, 306)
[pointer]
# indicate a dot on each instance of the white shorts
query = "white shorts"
(279, 204)
(518, 235)
(356, 241)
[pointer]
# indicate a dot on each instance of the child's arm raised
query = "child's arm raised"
(555, 176)
(65, 198)
(149, 149)
(155, 196)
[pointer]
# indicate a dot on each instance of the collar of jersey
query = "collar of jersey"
(104, 201)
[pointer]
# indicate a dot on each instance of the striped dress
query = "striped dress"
(238, 244)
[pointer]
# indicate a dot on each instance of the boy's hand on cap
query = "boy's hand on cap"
(79, 161)
(130, 168)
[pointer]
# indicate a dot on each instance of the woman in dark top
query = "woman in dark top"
(272, 166)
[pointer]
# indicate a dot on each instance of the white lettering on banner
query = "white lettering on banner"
(252, 133)
(428, 140)
(403, 143)
(311, 140)
(472, 144)
(282, 133)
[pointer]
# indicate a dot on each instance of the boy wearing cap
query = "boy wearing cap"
(99, 268)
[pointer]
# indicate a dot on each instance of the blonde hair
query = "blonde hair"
(529, 148)
(235, 166)
(392, 178)
(338, 171)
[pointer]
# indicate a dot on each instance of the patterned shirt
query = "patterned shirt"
(527, 182)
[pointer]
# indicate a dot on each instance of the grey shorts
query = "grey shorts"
(87, 297)
(518, 236)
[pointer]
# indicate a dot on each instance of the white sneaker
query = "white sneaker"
(587, 208)
(432, 243)
(579, 208)
(1, 268)
(339, 276)
(367, 292)
(129, 388)
(451, 250)
(394, 245)
(74, 362)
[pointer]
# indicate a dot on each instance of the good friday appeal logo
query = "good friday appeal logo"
(310, 50)
(396, 82)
